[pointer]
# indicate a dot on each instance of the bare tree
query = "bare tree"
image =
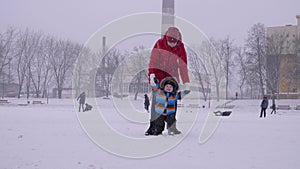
(62, 60)
(22, 58)
(124, 75)
(213, 66)
(255, 49)
(40, 66)
(47, 45)
(6, 53)
(26, 48)
(108, 65)
(85, 64)
(199, 69)
(6, 47)
(140, 55)
(36, 59)
(226, 49)
(32, 52)
(240, 55)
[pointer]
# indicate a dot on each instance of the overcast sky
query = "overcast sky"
(79, 19)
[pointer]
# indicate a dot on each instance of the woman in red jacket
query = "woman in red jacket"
(168, 59)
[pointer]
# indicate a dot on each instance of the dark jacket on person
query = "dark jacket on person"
(147, 102)
(81, 98)
(264, 104)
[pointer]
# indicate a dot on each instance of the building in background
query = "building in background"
(283, 60)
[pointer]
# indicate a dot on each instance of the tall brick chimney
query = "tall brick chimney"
(167, 15)
(298, 24)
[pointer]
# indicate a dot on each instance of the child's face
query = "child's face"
(168, 88)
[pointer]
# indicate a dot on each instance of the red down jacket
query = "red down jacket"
(169, 62)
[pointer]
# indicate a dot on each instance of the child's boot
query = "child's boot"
(151, 129)
(172, 130)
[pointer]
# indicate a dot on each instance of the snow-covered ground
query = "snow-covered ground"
(50, 136)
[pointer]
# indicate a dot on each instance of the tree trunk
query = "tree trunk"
(59, 92)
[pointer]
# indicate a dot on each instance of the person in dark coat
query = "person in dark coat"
(264, 105)
(81, 99)
(168, 59)
(146, 103)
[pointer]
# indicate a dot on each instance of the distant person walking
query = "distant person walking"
(81, 99)
(264, 105)
(147, 102)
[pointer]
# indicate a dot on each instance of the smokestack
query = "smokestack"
(103, 44)
(167, 15)
(298, 24)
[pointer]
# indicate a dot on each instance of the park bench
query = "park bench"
(283, 107)
(37, 102)
(226, 106)
(23, 104)
(180, 105)
(297, 107)
(3, 101)
(194, 106)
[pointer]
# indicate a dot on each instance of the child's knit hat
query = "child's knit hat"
(169, 80)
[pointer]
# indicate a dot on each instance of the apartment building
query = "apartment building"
(283, 60)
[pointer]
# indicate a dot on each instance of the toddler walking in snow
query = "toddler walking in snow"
(166, 96)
